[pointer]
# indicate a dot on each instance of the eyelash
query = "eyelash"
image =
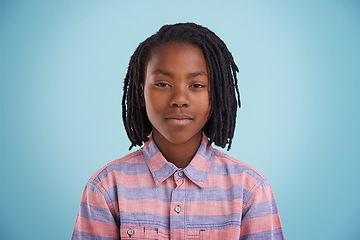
(197, 86)
(166, 85)
(162, 84)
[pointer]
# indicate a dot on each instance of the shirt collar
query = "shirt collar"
(197, 171)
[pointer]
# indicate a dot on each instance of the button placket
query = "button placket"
(178, 198)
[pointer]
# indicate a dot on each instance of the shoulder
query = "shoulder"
(231, 173)
(127, 164)
(224, 164)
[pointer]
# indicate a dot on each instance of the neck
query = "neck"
(179, 154)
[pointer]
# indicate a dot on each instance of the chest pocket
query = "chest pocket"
(128, 232)
(195, 234)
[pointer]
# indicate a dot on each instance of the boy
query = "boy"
(179, 97)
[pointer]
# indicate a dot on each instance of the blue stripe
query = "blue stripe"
(124, 167)
(260, 210)
(214, 221)
(227, 169)
(150, 151)
(195, 174)
(145, 219)
(264, 184)
(92, 187)
(275, 234)
(96, 213)
(192, 194)
(216, 194)
(138, 193)
(205, 152)
(151, 193)
(192, 222)
(248, 196)
(87, 236)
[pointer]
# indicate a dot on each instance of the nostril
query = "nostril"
(179, 99)
(180, 105)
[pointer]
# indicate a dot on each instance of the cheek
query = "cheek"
(148, 99)
(149, 94)
(153, 106)
(204, 108)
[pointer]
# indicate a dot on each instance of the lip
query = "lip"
(179, 119)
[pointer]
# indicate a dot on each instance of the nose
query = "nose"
(179, 98)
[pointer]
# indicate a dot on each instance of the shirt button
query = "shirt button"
(180, 174)
(178, 209)
(130, 232)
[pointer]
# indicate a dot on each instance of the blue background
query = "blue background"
(62, 70)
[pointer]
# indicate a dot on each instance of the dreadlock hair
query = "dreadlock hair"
(223, 83)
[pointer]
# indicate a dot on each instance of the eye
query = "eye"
(197, 86)
(161, 84)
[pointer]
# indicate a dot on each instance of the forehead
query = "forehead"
(158, 46)
(184, 55)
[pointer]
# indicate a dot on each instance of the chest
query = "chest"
(180, 210)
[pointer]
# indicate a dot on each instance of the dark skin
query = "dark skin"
(177, 100)
(179, 155)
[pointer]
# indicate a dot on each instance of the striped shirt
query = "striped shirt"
(143, 196)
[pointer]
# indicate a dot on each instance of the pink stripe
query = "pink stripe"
(157, 162)
(143, 232)
(132, 181)
(144, 206)
(128, 158)
(192, 208)
(178, 234)
(221, 161)
(214, 208)
(260, 224)
(231, 180)
(97, 228)
(98, 200)
(200, 163)
(94, 198)
(228, 233)
(147, 180)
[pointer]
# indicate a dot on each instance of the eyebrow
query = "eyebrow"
(169, 74)
(159, 71)
(195, 74)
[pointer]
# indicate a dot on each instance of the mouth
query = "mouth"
(179, 120)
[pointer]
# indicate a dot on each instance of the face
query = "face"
(177, 93)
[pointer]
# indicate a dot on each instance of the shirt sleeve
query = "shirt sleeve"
(260, 218)
(97, 217)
